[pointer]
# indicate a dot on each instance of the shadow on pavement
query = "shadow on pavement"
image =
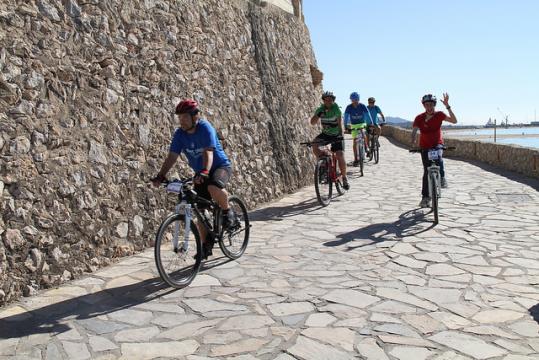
(52, 318)
(534, 312)
(281, 212)
(210, 264)
(410, 223)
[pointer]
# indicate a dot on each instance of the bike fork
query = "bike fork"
(434, 175)
(185, 209)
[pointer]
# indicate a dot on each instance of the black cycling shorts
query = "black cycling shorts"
(218, 177)
(336, 146)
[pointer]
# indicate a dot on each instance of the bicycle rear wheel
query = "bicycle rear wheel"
(322, 182)
(434, 197)
(233, 240)
(177, 266)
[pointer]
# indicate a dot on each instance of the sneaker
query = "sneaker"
(205, 253)
(355, 163)
(208, 248)
(425, 202)
(345, 184)
(230, 220)
(444, 183)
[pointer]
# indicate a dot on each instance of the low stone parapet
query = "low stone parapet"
(509, 157)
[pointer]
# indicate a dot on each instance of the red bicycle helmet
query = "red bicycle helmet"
(187, 106)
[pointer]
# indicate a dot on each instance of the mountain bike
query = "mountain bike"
(433, 175)
(178, 246)
(374, 145)
(326, 172)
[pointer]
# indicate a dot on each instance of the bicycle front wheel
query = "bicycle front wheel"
(322, 182)
(234, 239)
(177, 261)
(376, 151)
(434, 197)
(361, 148)
(371, 147)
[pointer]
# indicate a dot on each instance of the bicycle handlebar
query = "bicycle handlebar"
(325, 142)
(185, 181)
(442, 148)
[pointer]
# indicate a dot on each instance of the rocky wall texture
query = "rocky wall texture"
(509, 157)
(87, 92)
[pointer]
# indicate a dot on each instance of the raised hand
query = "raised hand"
(445, 100)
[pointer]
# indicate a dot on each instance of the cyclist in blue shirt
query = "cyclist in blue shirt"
(374, 110)
(373, 127)
(356, 118)
(197, 139)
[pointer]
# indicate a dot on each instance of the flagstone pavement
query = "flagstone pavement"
(367, 277)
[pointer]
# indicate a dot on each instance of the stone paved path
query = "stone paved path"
(367, 277)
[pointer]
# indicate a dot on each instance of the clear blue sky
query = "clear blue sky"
(484, 53)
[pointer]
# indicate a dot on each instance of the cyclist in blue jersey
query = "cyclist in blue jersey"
(374, 111)
(198, 141)
(373, 126)
(356, 118)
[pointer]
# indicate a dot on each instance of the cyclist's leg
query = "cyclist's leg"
(216, 186)
(355, 134)
(440, 162)
(366, 137)
(315, 147)
(202, 191)
(338, 149)
(218, 180)
(425, 186)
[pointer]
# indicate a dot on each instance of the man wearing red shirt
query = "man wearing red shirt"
(430, 137)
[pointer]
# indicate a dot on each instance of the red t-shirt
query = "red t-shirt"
(431, 131)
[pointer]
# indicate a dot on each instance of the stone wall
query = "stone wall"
(509, 157)
(87, 92)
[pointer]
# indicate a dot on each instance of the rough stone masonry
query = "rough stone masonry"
(87, 92)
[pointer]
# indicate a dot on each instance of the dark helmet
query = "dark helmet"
(371, 99)
(354, 96)
(187, 106)
(428, 98)
(328, 94)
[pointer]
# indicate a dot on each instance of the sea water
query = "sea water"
(524, 136)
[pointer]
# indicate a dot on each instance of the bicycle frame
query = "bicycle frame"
(373, 138)
(187, 208)
(360, 141)
(332, 160)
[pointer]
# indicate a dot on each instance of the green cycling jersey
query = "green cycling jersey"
(329, 119)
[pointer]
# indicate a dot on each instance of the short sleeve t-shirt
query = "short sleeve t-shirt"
(356, 115)
(193, 145)
(431, 130)
(329, 119)
(374, 111)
